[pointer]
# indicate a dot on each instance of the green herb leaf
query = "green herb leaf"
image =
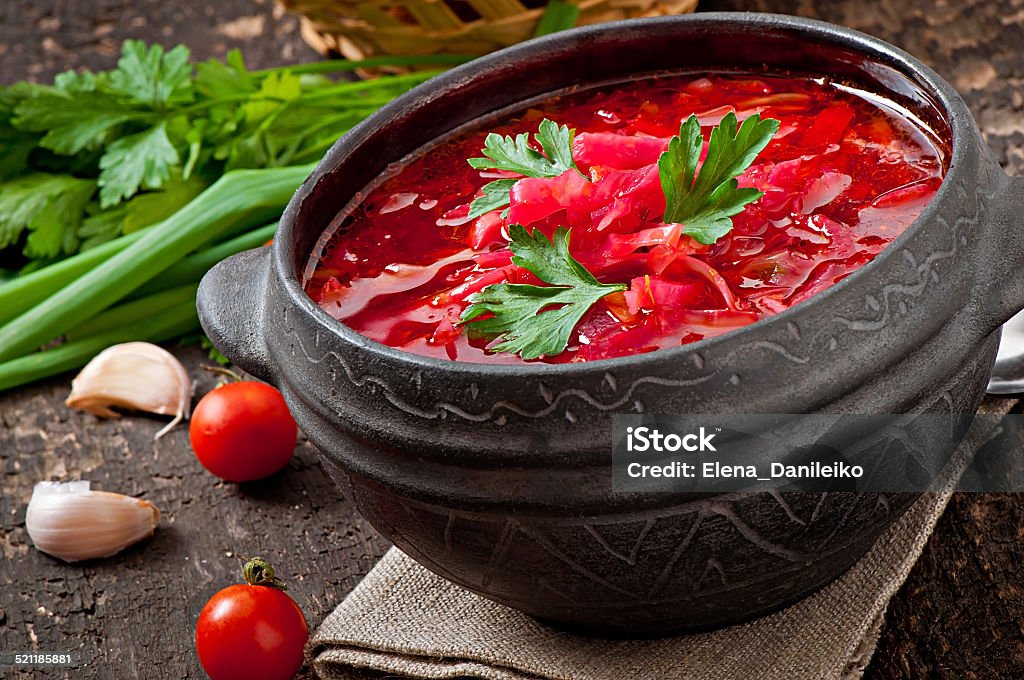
(496, 195)
(677, 166)
(72, 122)
(54, 229)
(14, 151)
(73, 82)
(142, 160)
(704, 202)
(50, 206)
(556, 141)
(217, 79)
(155, 206)
(152, 77)
(276, 90)
(516, 155)
(15, 145)
(100, 226)
(212, 352)
(247, 151)
(534, 321)
(139, 212)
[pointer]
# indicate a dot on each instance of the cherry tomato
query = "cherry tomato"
(243, 431)
(253, 630)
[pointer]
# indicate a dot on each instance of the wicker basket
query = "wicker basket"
(357, 29)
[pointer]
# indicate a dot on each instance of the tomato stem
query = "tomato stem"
(220, 370)
(258, 572)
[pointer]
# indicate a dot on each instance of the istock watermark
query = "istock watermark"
(35, 659)
(647, 439)
(704, 453)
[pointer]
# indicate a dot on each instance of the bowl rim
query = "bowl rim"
(943, 95)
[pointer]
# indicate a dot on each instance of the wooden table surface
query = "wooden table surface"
(959, 615)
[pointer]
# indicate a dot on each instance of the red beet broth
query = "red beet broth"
(844, 176)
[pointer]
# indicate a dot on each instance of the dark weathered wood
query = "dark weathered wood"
(133, 616)
(958, 616)
(129, 612)
(39, 38)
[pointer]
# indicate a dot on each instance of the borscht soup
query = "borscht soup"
(626, 218)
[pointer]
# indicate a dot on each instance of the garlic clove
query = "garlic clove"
(138, 376)
(71, 522)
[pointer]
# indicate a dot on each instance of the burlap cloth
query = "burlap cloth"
(403, 621)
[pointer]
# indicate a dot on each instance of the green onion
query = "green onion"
(234, 196)
(559, 15)
(399, 83)
(341, 65)
(166, 325)
(134, 311)
(22, 293)
(194, 266)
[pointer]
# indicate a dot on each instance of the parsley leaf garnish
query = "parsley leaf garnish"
(704, 202)
(534, 321)
(496, 195)
(556, 141)
(514, 154)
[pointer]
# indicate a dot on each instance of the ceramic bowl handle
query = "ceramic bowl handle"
(231, 302)
(999, 292)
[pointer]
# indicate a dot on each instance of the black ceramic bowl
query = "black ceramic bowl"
(498, 477)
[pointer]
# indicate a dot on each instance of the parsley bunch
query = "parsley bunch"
(537, 321)
(97, 155)
(705, 202)
(120, 189)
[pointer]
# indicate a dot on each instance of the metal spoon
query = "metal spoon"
(1008, 373)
